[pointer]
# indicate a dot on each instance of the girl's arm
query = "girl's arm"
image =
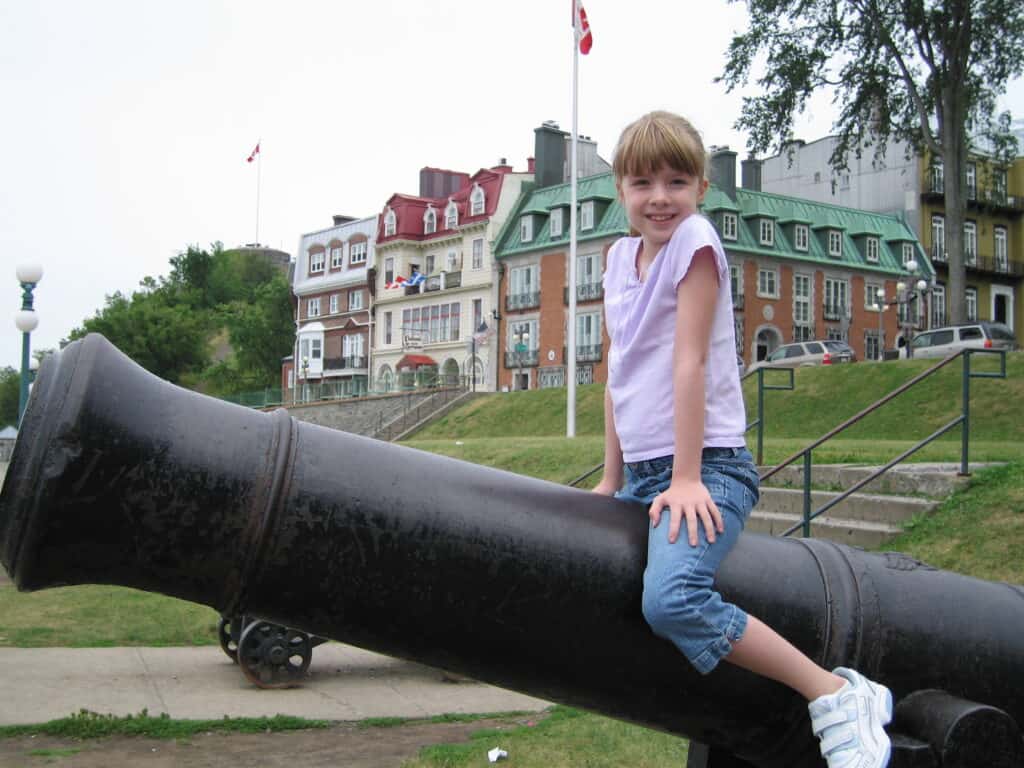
(686, 497)
(611, 480)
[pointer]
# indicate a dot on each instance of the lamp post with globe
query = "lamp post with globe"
(26, 321)
(906, 292)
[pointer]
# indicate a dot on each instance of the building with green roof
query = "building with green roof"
(800, 270)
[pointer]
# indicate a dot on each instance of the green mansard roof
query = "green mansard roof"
(749, 207)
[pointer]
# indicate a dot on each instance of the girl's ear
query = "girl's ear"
(703, 189)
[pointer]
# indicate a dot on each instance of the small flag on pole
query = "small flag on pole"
(582, 27)
(252, 155)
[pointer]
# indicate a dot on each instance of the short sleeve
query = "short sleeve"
(690, 236)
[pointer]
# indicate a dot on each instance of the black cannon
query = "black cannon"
(121, 478)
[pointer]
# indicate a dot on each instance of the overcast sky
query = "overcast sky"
(126, 124)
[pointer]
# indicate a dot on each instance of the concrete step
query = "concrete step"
(866, 507)
(855, 533)
(934, 480)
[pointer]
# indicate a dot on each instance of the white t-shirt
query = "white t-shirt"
(640, 317)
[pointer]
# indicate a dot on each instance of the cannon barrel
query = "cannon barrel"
(121, 478)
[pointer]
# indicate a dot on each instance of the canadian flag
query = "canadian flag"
(582, 27)
(256, 151)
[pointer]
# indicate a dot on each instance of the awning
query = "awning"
(415, 361)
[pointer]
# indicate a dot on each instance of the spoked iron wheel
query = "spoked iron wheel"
(272, 656)
(226, 634)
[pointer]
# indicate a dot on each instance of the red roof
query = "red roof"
(415, 361)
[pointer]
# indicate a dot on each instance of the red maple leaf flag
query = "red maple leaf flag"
(252, 155)
(582, 27)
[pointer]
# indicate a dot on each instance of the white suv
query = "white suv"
(941, 342)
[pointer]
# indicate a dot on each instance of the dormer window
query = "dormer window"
(587, 215)
(389, 223)
(357, 253)
(451, 215)
(476, 201)
(835, 243)
(526, 229)
(801, 237)
(316, 261)
(430, 222)
(871, 249)
(908, 252)
(767, 232)
(729, 225)
(556, 222)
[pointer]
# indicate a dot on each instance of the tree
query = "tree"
(926, 72)
(10, 391)
(262, 330)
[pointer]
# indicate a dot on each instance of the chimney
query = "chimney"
(750, 174)
(341, 219)
(529, 165)
(723, 170)
(549, 151)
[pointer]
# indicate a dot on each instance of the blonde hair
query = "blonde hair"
(659, 139)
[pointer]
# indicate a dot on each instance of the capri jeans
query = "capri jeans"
(679, 601)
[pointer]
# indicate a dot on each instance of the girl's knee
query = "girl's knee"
(674, 611)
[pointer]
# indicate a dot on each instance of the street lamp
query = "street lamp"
(905, 294)
(305, 378)
(26, 320)
(522, 347)
(880, 306)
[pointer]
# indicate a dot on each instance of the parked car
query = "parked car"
(941, 342)
(804, 353)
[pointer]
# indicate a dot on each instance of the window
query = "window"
(430, 264)
(938, 305)
(357, 253)
(315, 349)
(587, 215)
(313, 307)
(871, 249)
(387, 327)
(817, 177)
(588, 337)
(972, 181)
(970, 243)
(1000, 238)
(478, 314)
(523, 287)
(874, 296)
(432, 324)
(316, 261)
(735, 281)
(835, 334)
(526, 228)
(389, 270)
(452, 261)
(908, 252)
(549, 378)
(352, 346)
(938, 238)
(334, 304)
(389, 223)
(729, 226)
(801, 237)
(768, 283)
(476, 201)
(522, 337)
(999, 185)
(430, 222)
(336, 256)
(803, 332)
(478, 253)
(971, 300)
(556, 222)
(836, 304)
(767, 232)
(835, 243)
(938, 176)
(802, 299)
(451, 215)
(872, 347)
(844, 181)
(355, 299)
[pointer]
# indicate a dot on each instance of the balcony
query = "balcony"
(588, 353)
(990, 197)
(584, 292)
(348, 362)
(835, 311)
(528, 359)
(516, 301)
(439, 282)
(997, 266)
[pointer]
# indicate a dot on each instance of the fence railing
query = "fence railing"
(410, 415)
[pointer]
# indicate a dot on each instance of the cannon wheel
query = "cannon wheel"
(226, 635)
(272, 656)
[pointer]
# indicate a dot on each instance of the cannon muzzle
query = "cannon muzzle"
(121, 478)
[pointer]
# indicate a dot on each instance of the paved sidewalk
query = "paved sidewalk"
(343, 683)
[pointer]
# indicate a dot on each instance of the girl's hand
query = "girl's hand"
(689, 499)
(606, 488)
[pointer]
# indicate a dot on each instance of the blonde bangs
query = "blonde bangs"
(656, 140)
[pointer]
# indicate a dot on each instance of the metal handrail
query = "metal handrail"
(963, 419)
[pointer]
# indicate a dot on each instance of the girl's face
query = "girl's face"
(656, 203)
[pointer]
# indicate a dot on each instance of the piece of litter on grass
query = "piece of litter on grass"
(496, 754)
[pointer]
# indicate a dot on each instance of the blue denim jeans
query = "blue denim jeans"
(680, 602)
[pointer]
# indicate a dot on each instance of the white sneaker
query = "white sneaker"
(851, 723)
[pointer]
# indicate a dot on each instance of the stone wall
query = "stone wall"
(360, 416)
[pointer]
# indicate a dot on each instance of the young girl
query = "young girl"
(674, 432)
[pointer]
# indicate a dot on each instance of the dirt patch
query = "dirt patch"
(342, 745)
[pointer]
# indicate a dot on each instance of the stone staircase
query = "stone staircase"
(433, 407)
(868, 518)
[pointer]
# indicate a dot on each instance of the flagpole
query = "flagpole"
(570, 407)
(259, 168)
